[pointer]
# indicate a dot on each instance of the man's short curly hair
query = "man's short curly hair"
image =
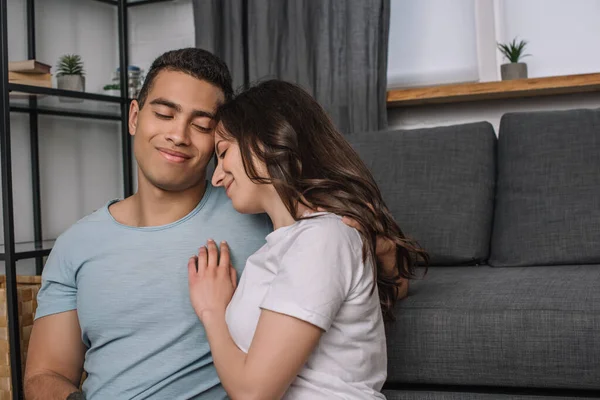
(198, 63)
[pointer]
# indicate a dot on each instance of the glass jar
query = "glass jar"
(135, 80)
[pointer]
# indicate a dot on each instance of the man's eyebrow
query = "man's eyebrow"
(167, 103)
(196, 113)
(202, 113)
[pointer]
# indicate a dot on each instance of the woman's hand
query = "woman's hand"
(212, 280)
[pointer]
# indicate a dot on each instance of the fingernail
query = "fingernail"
(223, 242)
(211, 241)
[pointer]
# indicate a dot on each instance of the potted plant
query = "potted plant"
(113, 89)
(70, 73)
(513, 52)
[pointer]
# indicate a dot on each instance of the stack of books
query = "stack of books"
(29, 72)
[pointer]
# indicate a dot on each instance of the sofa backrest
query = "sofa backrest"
(548, 189)
(439, 185)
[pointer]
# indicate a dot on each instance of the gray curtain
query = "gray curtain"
(336, 49)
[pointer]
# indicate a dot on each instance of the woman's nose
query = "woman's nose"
(218, 175)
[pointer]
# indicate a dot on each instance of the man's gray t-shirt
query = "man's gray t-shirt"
(130, 289)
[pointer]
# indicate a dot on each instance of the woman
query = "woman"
(306, 321)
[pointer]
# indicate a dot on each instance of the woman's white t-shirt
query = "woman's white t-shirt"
(313, 270)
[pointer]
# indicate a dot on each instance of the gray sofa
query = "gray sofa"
(510, 306)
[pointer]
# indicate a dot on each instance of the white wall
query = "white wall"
(156, 28)
(80, 159)
(563, 39)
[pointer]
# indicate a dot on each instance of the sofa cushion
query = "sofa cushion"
(439, 185)
(506, 327)
(548, 194)
(445, 395)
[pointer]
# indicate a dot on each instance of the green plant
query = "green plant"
(70, 64)
(113, 86)
(513, 51)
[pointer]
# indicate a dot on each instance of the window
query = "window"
(563, 39)
(433, 42)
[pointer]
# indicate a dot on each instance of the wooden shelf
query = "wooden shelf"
(520, 88)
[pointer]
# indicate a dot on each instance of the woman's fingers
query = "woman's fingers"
(233, 276)
(192, 268)
(201, 261)
(224, 260)
(209, 261)
(213, 254)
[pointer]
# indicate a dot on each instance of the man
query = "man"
(114, 299)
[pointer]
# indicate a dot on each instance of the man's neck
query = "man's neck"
(152, 206)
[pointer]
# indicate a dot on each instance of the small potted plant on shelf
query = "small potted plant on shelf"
(70, 74)
(113, 89)
(513, 52)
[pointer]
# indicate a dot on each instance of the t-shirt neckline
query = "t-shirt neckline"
(279, 233)
(201, 203)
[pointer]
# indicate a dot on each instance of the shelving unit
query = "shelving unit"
(27, 250)
(11, 252)
(479, 91)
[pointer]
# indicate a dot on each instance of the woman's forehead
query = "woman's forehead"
(221, 133)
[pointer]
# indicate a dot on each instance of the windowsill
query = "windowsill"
(467, 92)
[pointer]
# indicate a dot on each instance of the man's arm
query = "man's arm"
(386, 255)
(54, 358)
(385, 252)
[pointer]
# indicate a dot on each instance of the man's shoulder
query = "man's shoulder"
(218, 197)
(85, 226)
(222, 206)
(220, 213)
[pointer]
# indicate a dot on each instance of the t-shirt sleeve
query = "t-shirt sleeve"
(314, 275)
(58, 292)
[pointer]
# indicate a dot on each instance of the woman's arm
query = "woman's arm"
(280, 347)
(281, 344)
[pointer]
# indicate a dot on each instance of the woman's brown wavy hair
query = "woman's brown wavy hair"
(310, 162)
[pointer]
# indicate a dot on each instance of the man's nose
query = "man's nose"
(179, 134)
